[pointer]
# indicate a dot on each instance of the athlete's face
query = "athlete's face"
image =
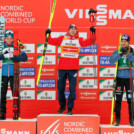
(72, 31)
(124, 43)
(9, 40)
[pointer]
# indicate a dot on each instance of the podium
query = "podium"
(67, 124)
(122, 129)
(23, 126)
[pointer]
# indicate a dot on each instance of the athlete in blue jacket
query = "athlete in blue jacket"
(125, 62)
(8, 59)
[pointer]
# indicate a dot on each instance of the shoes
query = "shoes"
(69, 112)
(117, 122)
(131, 122)
(3, 117)
(61, 110)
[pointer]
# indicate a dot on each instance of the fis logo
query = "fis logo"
(103, 15)
(52, 129)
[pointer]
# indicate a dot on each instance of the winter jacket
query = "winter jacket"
(8, 65)
(70, 47)
(122, 73)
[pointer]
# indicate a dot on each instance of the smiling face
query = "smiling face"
(72, 31)
(124, 43)
(9, 40)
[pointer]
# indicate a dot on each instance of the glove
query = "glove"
(5, 51)
(8, 55)
(92, 29)
(48, 31)
(124, 50)
(91, 10)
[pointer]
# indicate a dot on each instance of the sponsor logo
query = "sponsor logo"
(29, 48)
(48, 71)
(5, 131)
(46, 95)
(103, 14)
(106, 84)
(47, 83)
(87, 60)
(24, 95)
(107, 48)
(27, 94)
(50, 48)
(89, 49)
(107, 72)
(106, 95)
(52, 129)
(87, 72)
(48, 60)
(67, 93)
(27, 71)
(88, 95)
(117, 131)
(87, 84)
(27, 83)
(104, 60)
(68, 49)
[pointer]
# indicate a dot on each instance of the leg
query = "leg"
(11, 83)
(3, 94)
(119, 94)
(128, 96)
(62, 76)
(72, 76)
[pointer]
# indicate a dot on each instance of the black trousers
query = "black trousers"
(4, 89)
(62, 76)
(121, 83)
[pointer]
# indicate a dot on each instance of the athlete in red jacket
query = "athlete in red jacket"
(68, 63)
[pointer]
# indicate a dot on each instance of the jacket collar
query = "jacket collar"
(72, 37)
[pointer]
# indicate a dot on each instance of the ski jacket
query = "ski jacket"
(122, 72)
(70, 47)
(8, 64)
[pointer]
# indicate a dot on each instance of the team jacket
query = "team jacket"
(8, 64)
(70, 47)
(123, 69)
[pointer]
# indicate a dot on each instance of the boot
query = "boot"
(131, 121)
(69, 112)
(61, 110)
(117, 122)
(3, 116)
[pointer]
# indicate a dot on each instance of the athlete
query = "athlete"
(8, 59)
(70, 45)
(125, 62)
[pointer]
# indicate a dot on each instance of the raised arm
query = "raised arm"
(55, 41)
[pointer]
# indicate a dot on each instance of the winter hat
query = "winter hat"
(72, 26)
(125, 37)
(9, 33)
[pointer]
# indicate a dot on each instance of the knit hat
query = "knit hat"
(72, 26)
(125, 37)
(9, 33)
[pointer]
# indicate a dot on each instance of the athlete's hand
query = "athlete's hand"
(124, 50)
(8, 55)
(92, 29)
(48, 31)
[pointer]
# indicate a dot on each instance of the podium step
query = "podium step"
(23, 126)
(67, 124)
(122, 129)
